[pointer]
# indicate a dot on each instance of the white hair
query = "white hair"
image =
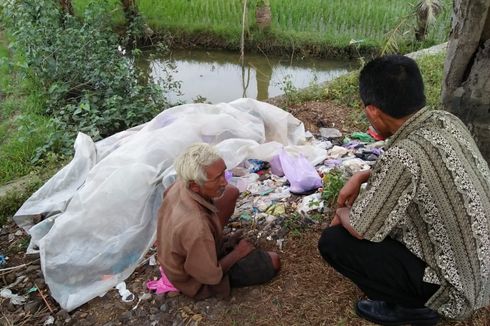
(190, 165)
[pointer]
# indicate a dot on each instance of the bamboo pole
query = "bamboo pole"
(242, 40)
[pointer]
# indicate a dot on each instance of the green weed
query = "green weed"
(294, 95)
(333, 182)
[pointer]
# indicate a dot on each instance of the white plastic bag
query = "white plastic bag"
(300, 173)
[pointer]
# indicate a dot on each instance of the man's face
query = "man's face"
(215, 186)
(375, 117)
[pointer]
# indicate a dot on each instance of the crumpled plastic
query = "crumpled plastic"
(311, 203)
(162, 285)
(125, 294)
(300, 173)
(362, 136)
(14, 298)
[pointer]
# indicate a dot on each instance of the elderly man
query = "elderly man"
(190, 244)
(416, 241)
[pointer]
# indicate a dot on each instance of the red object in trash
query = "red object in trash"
(374, 134)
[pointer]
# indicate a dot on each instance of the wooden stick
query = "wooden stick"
(18, 267)
(6, 319)
(44, 298)
(242, 40)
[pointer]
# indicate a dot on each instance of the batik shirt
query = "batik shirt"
(430, 190)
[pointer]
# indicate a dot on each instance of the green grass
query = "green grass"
(321, 23)
(345, 89)
(22, 129)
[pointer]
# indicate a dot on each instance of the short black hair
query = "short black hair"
(392, 83)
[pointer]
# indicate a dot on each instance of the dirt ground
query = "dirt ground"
(306, 292)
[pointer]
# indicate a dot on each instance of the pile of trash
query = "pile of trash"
(94, 221)
(268, 208)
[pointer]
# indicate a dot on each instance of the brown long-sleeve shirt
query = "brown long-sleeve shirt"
(189, 234)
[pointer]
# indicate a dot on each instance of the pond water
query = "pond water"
(218, 76)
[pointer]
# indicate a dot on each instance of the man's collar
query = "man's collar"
(409, 125)
(199, 199)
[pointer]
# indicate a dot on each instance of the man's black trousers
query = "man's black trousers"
(384, 270)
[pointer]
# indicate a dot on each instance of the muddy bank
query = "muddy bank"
(263, 43)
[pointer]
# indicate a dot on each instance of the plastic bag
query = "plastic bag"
(300, 173)
(276, 167)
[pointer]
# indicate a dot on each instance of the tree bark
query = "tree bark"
(129, 9)
(466, 84)
(66, 7)
(263, 16)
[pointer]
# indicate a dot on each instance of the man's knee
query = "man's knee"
(276, 261)
(330, 243)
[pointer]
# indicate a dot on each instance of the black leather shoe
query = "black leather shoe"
(383, 313)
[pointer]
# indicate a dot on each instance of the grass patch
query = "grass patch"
(345, 89)
(22, 128)
(432, 68)
(315, 24)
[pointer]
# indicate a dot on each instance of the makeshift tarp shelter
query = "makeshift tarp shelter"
(98, 214)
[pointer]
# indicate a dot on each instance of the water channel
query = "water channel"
(218, 76)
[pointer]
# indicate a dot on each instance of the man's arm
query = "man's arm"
(241, 250)
(350, 190)
(342, 217)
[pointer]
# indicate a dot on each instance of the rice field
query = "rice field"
(330, 22)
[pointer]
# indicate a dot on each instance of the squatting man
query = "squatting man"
(417, 240)
(192, 251)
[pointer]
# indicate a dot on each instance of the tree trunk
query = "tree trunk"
(66, 7)
(263, 16)
(466, 84)
(129, 9)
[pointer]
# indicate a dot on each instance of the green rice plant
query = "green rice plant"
(327, 23)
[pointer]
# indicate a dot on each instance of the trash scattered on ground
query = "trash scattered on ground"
(49, 321)
(126, 295)
(162, 285)
(14, 298)
(330, 133)
(3, 260)
(268, 209)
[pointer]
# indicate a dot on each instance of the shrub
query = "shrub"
(87, 81)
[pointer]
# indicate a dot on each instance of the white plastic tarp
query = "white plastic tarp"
(100, 210)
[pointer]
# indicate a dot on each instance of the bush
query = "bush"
(86, 80)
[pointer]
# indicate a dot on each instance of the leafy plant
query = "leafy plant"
(333, 182)
(86, 80)
(293, 95)
(425, 13)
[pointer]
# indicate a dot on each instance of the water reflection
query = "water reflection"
(217, 76)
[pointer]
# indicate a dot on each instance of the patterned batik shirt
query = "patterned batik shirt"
(431, 191)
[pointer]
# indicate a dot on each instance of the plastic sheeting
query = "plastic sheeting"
(100, 210)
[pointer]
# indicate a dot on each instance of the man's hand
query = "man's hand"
(350, 190)
(335, 221)
(342, 218)
(243, 248)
